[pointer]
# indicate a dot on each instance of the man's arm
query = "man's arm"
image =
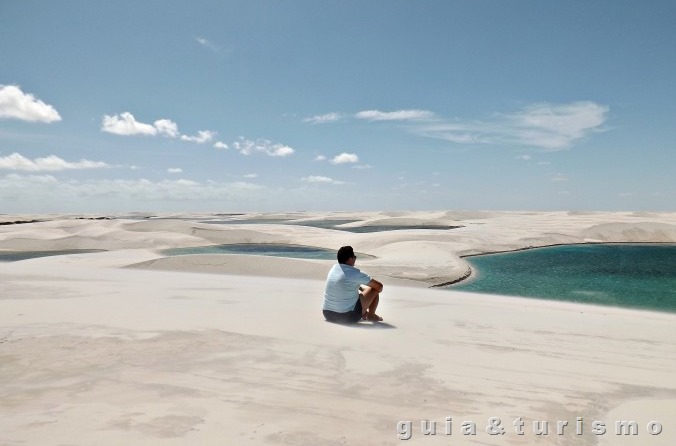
(375, 285)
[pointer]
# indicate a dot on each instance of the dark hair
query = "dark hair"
(345, 253)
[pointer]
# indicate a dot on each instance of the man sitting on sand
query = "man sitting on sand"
(350, 294)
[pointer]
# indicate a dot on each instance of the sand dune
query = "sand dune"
(395, 252)
(131, 347)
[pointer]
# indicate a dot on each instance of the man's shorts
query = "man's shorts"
(351, 317)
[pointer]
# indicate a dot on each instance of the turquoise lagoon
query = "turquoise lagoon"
(623, 275)
(329, 224)
(15, 256)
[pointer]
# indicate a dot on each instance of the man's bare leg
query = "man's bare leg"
(369, 298)
(372, 309)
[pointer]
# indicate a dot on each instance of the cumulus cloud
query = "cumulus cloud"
(125, 124)
(52, 163)
(323, 119)
(248, 147)
(175, 170)
(320, 179)
(544, 126)
(15, 104)
(166, 127)
(202, 137)
(345, 158)
(399, 115)
(320, 158)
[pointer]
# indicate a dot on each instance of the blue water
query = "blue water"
(264, 249)
(250, 221)
(626, 275)
(331, 224)
(383, 228)
(14, 256)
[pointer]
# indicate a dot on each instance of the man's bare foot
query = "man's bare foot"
(373, 317)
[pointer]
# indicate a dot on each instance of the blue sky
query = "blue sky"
(337, 105)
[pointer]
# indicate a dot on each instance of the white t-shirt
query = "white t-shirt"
(342, 287)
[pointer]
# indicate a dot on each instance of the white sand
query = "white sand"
(168, 353)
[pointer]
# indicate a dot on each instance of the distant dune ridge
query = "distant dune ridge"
(426, 256)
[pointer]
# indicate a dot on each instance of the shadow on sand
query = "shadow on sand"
(368, 325)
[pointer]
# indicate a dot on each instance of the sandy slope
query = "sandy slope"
(92, 352)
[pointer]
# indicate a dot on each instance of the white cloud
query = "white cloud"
(15, 186)
(545, 126)
(247, 147)
(399, 115)
(524, 157)
(556, 126)
(175, 170)
(202, 137)
(559, 177)
(320, 158)
(125, 124)
(166, 127)
(251, 175)
(38, 188)
(362, 166)
(323, 119)
(345, 158)
(281, 150)
(206, 43)
(544, 163)
(52, 163)
(320, 179)
(187, 183)
(16, 104)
